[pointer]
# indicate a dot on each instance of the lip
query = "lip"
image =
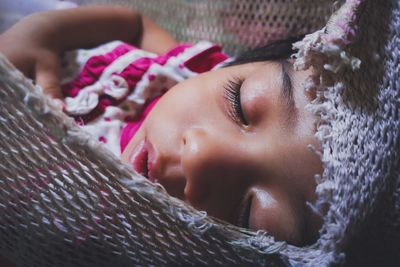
(142, 159)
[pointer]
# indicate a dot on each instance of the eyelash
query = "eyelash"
(232, 95)
(244, 213)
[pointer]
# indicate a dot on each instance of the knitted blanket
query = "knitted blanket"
(66, 201)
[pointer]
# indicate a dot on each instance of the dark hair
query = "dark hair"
(277, 50)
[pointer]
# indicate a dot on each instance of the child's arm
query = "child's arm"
(34, 44)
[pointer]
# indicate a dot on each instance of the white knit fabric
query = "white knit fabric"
(84, 209)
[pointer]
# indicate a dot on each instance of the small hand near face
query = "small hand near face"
(29, 46)
(35, 43)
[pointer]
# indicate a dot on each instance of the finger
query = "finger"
(47, 75)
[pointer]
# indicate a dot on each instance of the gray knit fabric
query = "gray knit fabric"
(237, 24)
(358, 103)
(66, 201)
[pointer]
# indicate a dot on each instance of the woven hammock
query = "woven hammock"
(67, 201)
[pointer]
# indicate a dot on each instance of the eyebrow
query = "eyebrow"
(287, 92)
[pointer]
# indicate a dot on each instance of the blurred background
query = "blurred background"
(13, 10)
(236, 24)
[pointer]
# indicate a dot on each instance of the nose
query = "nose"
(212, 169)
(192, 139)
(199, 162)
(193, 157)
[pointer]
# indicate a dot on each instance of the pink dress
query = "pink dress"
(118, 84)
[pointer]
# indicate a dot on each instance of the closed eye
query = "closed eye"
(232, 96)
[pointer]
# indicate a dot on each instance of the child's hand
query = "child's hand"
(35, 43)
(29, 47)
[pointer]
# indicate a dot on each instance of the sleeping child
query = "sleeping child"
(230, 136)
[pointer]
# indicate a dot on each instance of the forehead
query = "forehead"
(269, 73)
(262, 85)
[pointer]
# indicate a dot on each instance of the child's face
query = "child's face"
(255, 171)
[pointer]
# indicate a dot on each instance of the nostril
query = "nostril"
(193, 137)
(184, 140)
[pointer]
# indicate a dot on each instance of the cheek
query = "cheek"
(217, 167)
(302, 164)
(277, 216)
(175, 105)
(153, 117)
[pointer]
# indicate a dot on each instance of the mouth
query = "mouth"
(141, 159)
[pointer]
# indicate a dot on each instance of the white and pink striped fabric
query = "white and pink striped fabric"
(118, 84)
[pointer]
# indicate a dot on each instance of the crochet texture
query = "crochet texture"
(66, 201)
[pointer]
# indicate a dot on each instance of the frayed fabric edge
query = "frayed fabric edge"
(324, 52)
